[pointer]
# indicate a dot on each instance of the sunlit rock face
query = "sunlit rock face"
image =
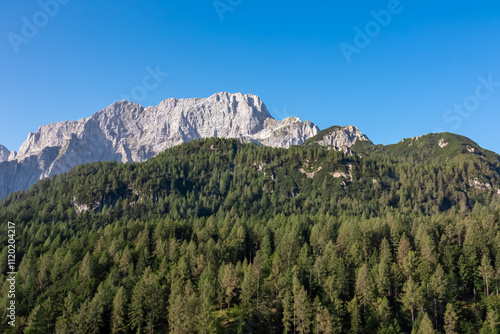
(128, 132)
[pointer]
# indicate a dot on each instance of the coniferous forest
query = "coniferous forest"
(216, 236)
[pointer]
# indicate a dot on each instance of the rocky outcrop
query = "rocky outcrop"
(342, 137)
(4, 153)
(337, 138)
(288, 132)
(128, 132)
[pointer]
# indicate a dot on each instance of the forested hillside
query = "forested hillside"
(219, 236)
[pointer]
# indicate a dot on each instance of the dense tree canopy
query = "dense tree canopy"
(219, 236)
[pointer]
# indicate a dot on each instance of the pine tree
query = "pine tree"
(266, 246)
(230, 282)
(492, 323)
(119, 315)
(464, 272)
(249, 286)
(288, 314)
(450, 319)
(87, 267)
(302, 309)
(183, 309)
(354, 311)
(125, 262)
(438, 288)
(207, 284)
(383, 312)
(403, 250)
(383, 282)
(425, 326)
(428, 248)
(323, 319)
(40, 319)
(88, 319)
(486, 271)
(364, 287)
(411, 298)
(63, 325)
(144, 310)
(204, 317)
(410, 263)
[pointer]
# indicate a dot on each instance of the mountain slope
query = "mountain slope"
(197, 167)
(482, 166)
(438, 148)
(432, 146)
(228, 234)
(128, 132)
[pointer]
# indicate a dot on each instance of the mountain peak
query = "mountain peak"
(4, 153)
(339, 138)
(127, 132)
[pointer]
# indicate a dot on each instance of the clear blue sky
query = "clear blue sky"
(92, 53)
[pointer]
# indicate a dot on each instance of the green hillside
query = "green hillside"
(431, 147)
(219, 236)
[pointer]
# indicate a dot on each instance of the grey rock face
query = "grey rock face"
(342, 139)
(285, 133)
(128, 132)
(4, 153)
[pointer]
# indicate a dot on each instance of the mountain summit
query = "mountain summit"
(5, 154)
(338, 138)
(128, 132)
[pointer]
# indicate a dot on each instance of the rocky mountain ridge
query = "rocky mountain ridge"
(338, 138)
(4, 153)
(343, 137)
(128, 132)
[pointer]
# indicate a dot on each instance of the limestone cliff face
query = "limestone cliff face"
(342, 137)
(338, 138)
(128, 132)
(4, 153)
(285, 133)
